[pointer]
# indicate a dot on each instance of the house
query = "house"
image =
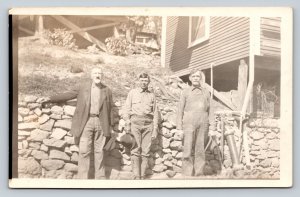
(228, 50)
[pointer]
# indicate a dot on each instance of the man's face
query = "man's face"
(96, 75)
(196, 78)
(144, 82)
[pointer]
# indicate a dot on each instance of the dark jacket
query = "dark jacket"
(81, 115)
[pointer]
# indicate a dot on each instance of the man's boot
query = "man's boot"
(144, 167)
(136, 166)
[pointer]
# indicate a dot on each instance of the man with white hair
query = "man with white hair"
(92, 121)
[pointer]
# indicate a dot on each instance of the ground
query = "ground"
(45, 70)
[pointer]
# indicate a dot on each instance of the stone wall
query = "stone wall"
(46, 148)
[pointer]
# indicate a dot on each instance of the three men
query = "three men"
(193, 119)
(91, 123)
(141, 116)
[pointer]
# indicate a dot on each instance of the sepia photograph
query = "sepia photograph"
(150, 97)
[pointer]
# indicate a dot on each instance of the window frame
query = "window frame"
(206, 34)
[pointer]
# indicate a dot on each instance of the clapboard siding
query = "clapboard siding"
(228, 41)
(270, 36)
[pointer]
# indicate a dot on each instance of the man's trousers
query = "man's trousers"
(92, 137)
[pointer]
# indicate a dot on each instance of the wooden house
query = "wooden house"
(239, 51)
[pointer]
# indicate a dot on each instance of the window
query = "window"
(198, 30)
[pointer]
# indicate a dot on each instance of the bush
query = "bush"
(118, 46)
(60, 37)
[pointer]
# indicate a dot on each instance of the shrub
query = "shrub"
(118, 46)
(60, 37)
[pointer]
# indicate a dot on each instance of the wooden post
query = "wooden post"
(242, 82)
(39, 25)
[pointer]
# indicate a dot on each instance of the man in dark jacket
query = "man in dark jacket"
(91, 123)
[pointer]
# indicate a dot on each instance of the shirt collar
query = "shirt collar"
(141, 90)
(194, 88)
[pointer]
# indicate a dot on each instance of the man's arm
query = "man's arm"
(155, 119)
(111, 105)
(180, 110)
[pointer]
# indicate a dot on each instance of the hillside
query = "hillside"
(45, 69)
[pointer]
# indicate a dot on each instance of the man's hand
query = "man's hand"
(127, 129)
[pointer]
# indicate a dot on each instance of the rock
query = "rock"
(271, 136)
(33, 106)
(44, 118)
(171, 118)
(52, 164)
(274, 144)
(177, 169)
(38, 135)
(174, 153)
(179, 155)
(46, 111)
(266, 163)
(176, 145)
(25, 144)
(255, 147)
(23, 111)
(227, 163)
(20, 138)
(125, 175)
(275, 162)
(178, 136)
(64, 124)
(29, 168)
(39, 155)
(166, 132)
(71, 167)
(23, 133)
(174, 161)
(37, 111)
(257, 135)
(69, 140)
(167, 157)
(166, 150)
(167, 125)
(57, 110)
(69, 110)
(74, 148)
(68, 151)
(28, 126)
(170, 173)
(58, 133)
(74, 157)
(261, 143)
(66, 117)
(179, 163)
(44, 148)
(24, 152)
(48, 125)
(34, 145)
(31, 118)
(56, 116)
(168, 163)
(30, 99)
(165, 142)
(116, 153)
(54, 143)
(20, 118)
(159, 168)
(158, 161)
(56, 154)
(22, 104)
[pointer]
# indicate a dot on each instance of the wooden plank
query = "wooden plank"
(95, 27)
(85, 35)
(242, 82)
(218, 95)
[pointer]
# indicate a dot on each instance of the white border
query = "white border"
(286, 167)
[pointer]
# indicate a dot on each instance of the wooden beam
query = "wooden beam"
(26, 30)
(95, 27)
(222, 98)
(84, 34)
(242, 82)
